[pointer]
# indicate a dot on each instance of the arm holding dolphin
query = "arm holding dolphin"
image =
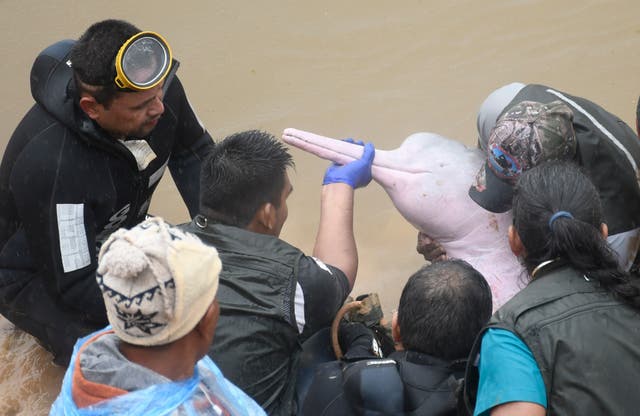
(335, 242)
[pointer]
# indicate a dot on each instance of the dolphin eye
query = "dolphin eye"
(503, 164)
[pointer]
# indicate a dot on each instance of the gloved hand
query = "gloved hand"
(358, 342)
(355, 174)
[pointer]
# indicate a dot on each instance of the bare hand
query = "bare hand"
(431, 250)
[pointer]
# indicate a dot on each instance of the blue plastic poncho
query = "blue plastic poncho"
(206, 393)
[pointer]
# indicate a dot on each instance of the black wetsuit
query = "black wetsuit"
(65, 185)
(406, 383)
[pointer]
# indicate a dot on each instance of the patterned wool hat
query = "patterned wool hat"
(157, 282)
(525, 136)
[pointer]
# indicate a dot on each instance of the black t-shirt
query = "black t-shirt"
(324, 288)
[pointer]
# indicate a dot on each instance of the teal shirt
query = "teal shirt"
(508, 372)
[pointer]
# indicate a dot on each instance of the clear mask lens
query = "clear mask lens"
(143, 61)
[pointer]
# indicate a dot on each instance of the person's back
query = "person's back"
(569, 342)
(442, 308)
(272, 296)
(159, 287)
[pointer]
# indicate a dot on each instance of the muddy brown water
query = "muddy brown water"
(375, 70)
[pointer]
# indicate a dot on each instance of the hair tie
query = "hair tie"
(558, 215)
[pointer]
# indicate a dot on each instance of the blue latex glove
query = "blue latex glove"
(355, 174)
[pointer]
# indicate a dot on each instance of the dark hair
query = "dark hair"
(442, 308)
(554, 186)
(93, 58)
(243, 172)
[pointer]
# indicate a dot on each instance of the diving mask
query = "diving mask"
(143, 62)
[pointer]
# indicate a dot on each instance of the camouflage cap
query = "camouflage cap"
(528, 134)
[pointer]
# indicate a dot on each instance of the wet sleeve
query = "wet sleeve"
(60, 232)
(320, 292)
(185, 171)
(192, 144)
(508, 372)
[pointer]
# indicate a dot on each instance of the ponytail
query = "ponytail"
(558, 215)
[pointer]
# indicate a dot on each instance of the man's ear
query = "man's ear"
(209, 320)
(604, 230)
(89, 105)
(267, 217)
(514, 242)
(264, 220)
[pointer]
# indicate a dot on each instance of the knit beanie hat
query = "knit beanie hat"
(157, 282)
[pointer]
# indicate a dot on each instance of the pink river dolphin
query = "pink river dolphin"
(427, 179)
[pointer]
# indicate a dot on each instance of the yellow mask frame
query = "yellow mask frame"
(143, 61)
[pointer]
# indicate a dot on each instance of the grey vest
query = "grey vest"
(585, 342)
(601, 138)
(256, 342)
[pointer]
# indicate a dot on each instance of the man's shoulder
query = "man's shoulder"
(48, 146)
(37, 142)
(38, 125)
(315, 266)
(324, 287)
(231, 238)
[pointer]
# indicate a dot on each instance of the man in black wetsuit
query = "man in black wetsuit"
(272, 296)
(442, 308)
(109, 117)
